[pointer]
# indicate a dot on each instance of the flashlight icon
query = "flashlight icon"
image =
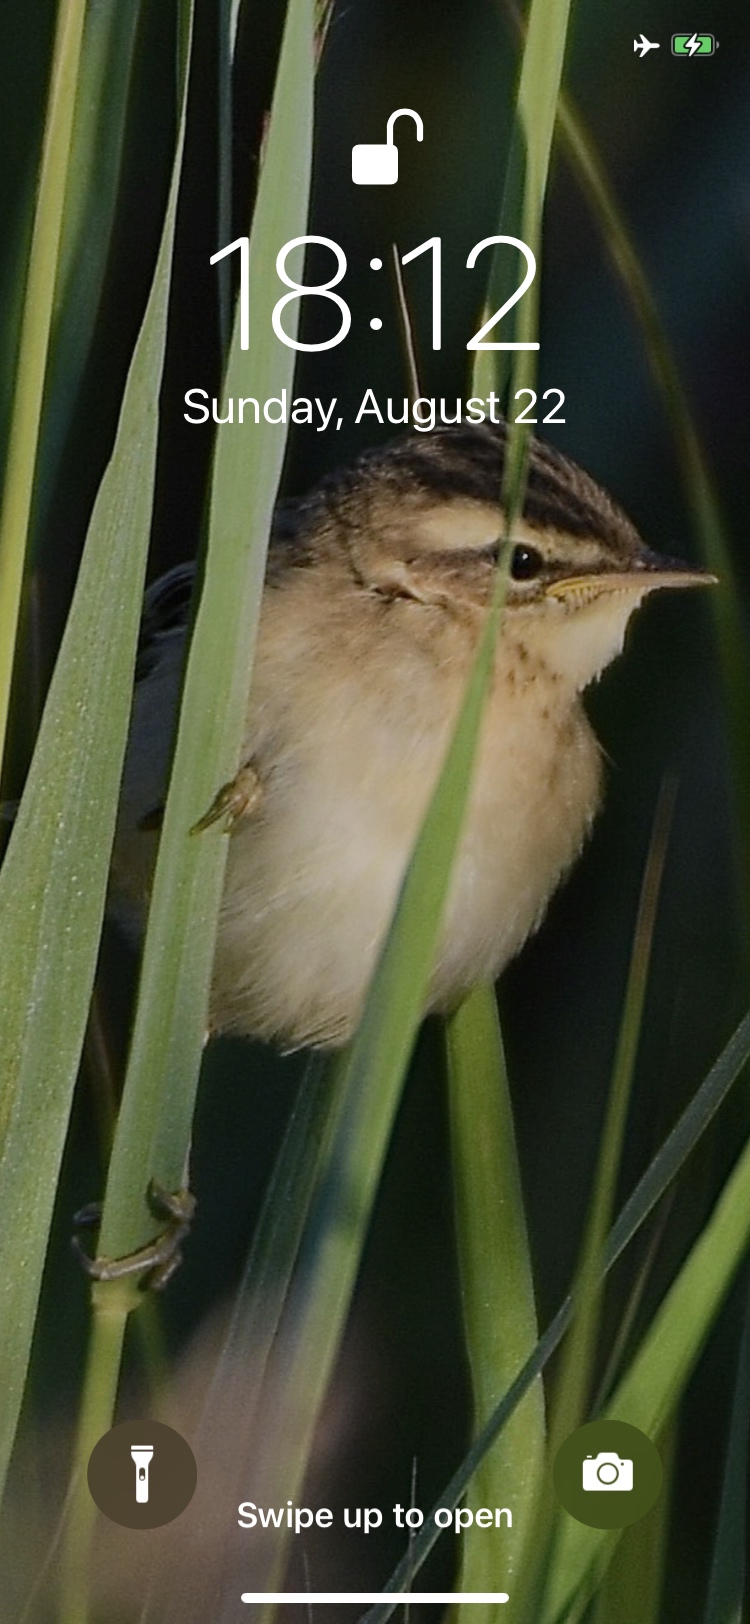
(141, 1455)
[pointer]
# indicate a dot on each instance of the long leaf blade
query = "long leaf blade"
(155, 1120)
(728, 1578)
(497, 1288)
(53, 882)
(648, 1392)
(36, 322)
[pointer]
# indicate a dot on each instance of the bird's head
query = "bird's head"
(421, 520)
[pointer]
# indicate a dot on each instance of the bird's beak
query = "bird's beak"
(648, 573)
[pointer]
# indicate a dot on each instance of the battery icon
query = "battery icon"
(693, 44)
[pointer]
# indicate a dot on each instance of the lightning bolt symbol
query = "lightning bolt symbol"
(693, 44)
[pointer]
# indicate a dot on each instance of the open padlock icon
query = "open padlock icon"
(378, 165)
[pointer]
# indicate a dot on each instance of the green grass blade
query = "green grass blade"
(629, 1312)
(261, 1295)
(657, 1375)
(725, 1602)
(90, 202)
(580, 1351)
(633, 1583)
(227, 26)
(495, 1268)
(53, 882)
(36, 322)
(99, 1395)
(155, 1121)
(496, 1288)
(680, 1143)
(277, 1239)
(523, 197)
(657, 1179)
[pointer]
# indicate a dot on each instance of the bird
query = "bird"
(376, 592)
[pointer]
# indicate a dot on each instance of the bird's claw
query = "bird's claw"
(238, 798)
(159, 1258)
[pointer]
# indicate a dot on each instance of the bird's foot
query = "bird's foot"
(239, 798)
(158, 1260)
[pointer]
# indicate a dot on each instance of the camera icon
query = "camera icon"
(607, 1471)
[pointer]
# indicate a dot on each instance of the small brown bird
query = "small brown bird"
(377, 585)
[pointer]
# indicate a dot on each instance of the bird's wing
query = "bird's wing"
(166, 604)
(166, 608)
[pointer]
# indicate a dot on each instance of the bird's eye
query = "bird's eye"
(525, 563)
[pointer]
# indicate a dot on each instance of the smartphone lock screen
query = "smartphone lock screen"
(374, 811)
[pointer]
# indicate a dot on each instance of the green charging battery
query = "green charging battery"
(693, 44)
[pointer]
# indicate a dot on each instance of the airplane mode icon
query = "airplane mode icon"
(643, 45)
